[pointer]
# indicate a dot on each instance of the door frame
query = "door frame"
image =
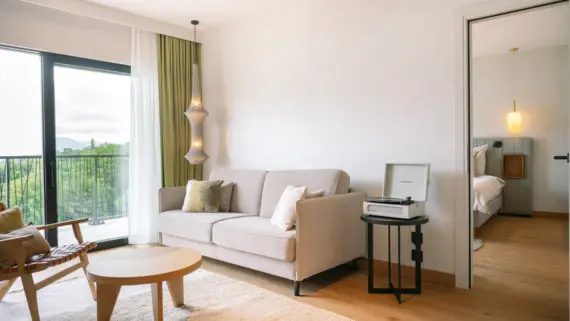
(463, 219)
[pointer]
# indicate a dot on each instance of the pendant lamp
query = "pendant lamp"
(514, 118)
(196, 113)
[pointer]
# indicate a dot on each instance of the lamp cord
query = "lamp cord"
(195, 44)
(514, 80)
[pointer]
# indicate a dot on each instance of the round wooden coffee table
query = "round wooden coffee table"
(141, 265)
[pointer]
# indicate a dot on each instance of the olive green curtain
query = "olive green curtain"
(175, 59)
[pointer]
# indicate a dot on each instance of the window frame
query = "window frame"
(48, 62)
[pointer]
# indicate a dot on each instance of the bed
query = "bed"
(487, 198)
(492, 194)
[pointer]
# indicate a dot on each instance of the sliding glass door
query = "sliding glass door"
(92, 108)
(81, 136)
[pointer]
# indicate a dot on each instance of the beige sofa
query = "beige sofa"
(328, 230)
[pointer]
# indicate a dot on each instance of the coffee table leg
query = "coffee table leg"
(156, 289)
(106, 299)
(176, 288)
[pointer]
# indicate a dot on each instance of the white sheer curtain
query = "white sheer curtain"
(145, 165)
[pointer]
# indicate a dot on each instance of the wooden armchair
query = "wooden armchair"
(57, 255)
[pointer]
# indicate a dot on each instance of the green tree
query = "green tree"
(91, 182)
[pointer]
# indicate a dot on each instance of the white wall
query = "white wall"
(541, 92)
(120, 17)
(30, 26)
(341, 84)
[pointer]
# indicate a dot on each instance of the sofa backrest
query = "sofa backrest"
(332, 181)
(246, 197)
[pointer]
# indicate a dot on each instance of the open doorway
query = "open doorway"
(518, 140)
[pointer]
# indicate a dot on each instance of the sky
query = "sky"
(89, 104)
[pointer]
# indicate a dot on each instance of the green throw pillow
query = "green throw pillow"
(202, 196)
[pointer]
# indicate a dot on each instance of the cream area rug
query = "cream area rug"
(207, 296)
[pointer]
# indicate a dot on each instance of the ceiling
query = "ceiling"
(210, 13)
(545, 27)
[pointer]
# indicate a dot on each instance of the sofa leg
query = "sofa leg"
(297, 286)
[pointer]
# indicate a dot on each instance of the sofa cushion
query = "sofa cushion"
(246, 196)
(332, 181)
(11, 219)
(192, 226)
(256, 235)
(33, 246)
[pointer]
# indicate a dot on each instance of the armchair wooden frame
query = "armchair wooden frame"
(57, 255)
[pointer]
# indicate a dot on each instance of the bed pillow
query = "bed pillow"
(202, 196)
(480, 155)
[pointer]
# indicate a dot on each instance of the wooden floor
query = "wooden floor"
(521, 273)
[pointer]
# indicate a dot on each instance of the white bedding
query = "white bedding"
(485, 188)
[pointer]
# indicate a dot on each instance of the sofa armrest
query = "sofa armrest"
(329, 233)
(171, 198)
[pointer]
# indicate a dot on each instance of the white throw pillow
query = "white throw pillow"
(284, 214)
(480, 153)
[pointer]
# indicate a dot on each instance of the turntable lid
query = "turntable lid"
(403, 180)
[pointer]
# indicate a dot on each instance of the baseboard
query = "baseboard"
(514, 214)
(553, 215)
(431, 276)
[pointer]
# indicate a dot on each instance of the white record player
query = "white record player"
(405, 192)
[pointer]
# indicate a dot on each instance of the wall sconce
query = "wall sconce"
(196, 113)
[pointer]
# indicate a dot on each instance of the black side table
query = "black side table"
(416, 253)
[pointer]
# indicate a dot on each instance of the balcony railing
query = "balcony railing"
(93, 186)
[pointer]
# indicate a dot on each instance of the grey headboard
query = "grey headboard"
(517, 195)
